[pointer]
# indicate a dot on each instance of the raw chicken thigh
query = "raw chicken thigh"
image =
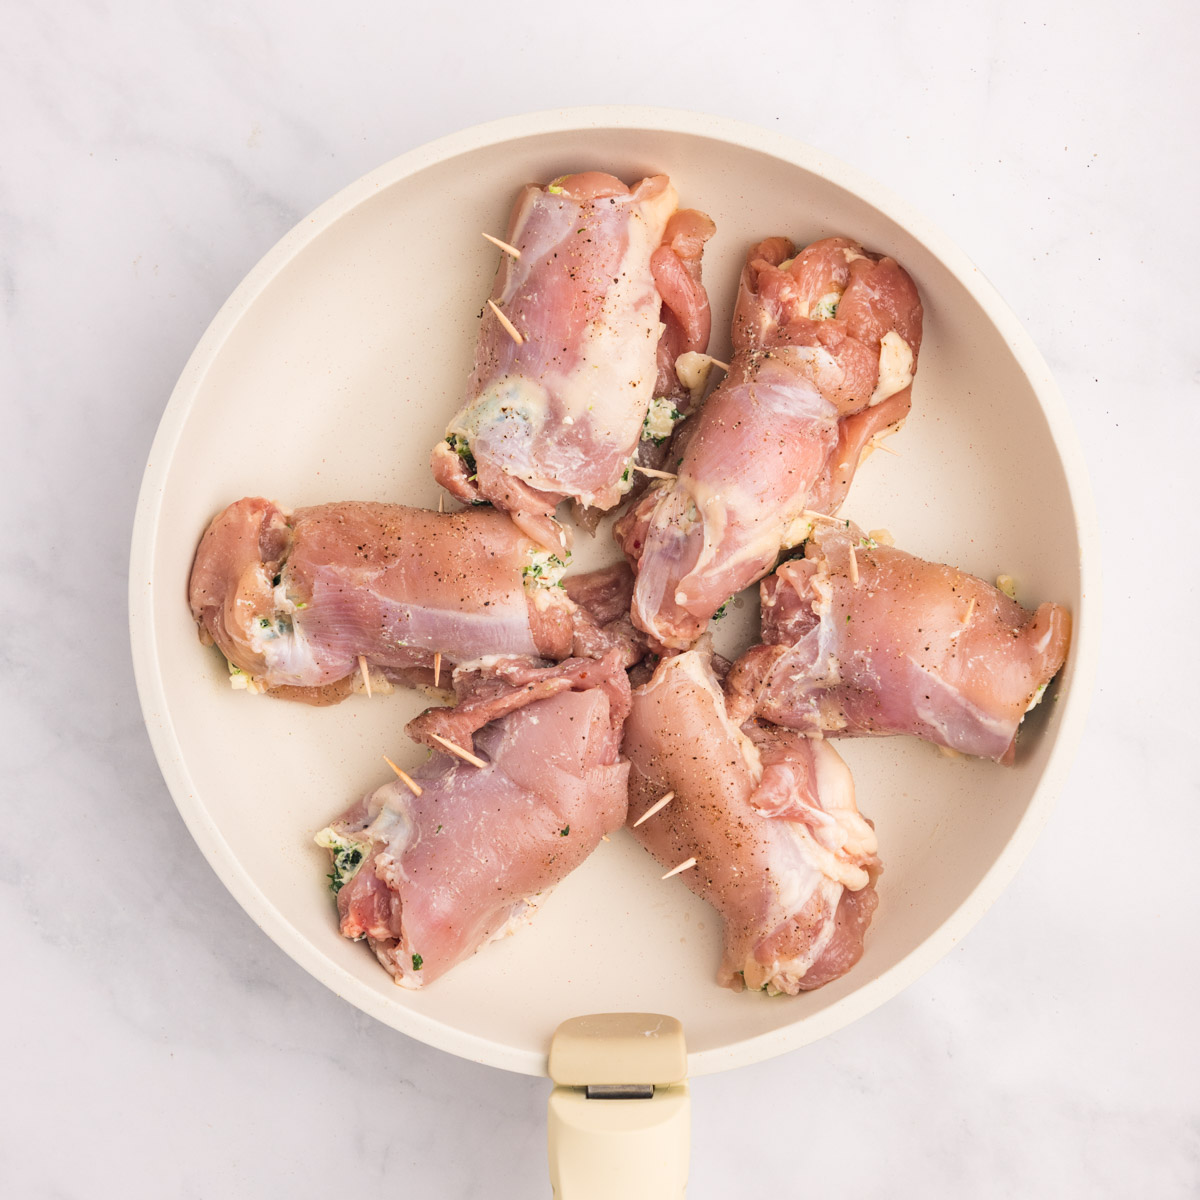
(768, 820)
(568, 355)
(825, 348)
(687, 324)
(861, 638)
(428, 879)
(293, 600)
(486, 693)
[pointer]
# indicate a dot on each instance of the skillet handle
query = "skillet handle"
(619, 1121)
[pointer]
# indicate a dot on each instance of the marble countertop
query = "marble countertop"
(155, 1041)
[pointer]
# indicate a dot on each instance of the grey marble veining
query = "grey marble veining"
(155, 1041)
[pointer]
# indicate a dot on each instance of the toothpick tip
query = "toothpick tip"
(512, 250)
(509, 328)
(408, 781)
(458, 751)
(654, 808)
(683, 866)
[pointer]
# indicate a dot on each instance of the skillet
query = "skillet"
(329, 374)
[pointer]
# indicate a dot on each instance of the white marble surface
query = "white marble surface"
(154, 1041)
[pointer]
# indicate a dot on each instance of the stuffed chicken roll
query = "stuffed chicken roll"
(302, 604)
(567, 361)
(825, 348)
(860, 638)
(430, 869)
(762, 822)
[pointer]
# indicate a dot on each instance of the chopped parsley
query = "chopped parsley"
(462, 448)
(659, 421)
(545, 570)
(417, 962)
(564, 831)
(347, 858)
(722, 611)
(826, 307)
(280, 626)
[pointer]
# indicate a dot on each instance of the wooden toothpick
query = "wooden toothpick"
(970, 612)
(509, 328)
(437, 668)
(503, 246)
(853, 567)
(654, 808)
(653, 473)
(683, 866)
(458, 751)
(366, 675)
(408, 781)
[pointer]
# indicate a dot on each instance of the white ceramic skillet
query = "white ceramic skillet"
(330, 373)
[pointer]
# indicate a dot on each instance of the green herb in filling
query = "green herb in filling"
(659, 421)
(825, 308)
(348, 856)
(544, 570)
(462, 448)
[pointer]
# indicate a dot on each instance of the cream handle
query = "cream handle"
(603, 1146)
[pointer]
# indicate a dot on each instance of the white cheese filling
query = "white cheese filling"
(895, 367)
(544, 569)
(660, 419)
